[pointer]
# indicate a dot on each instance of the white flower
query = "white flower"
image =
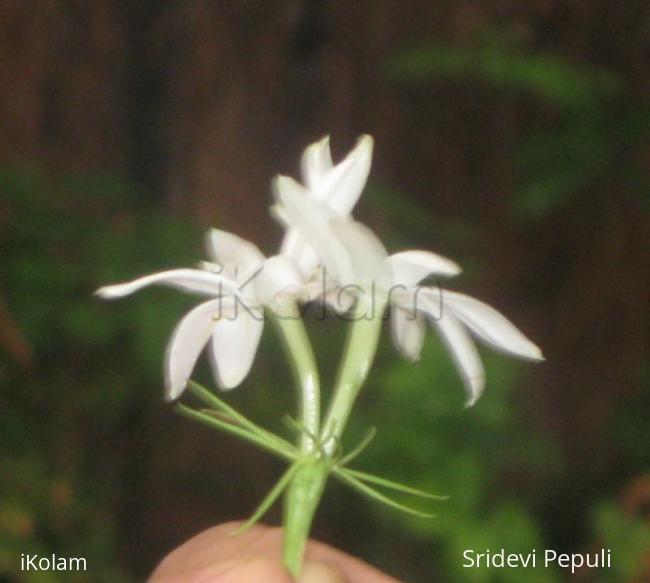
(240, 282)
(339, 187)
(357, 260)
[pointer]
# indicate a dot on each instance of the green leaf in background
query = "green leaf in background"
(628, 538)
(501, 63)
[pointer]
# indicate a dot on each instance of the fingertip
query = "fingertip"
(321, 572)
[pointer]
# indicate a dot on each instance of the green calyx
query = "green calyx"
(223, 417)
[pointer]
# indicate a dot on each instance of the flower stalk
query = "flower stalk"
(359, 353)
(301, 502)
(303, 365)
(306, 478)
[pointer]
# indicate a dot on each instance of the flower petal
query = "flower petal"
(316, 162)
(186, 343)
(190, 280)
(235, 339)
(490, 326)
(411, 267)
(278, 282)
(236, 255)
(458, 341)
(322, 288)
(408, 332)
(367, 254)
(342, 186)
(312, 218)
(338, 186)
(302, 253)
(293, 244)
(465, 355)
(340, 300)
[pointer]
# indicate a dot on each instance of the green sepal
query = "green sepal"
(363, 444)
(209, 398)
(363, 476)
(285, 452)
(269, 499)
(366, 490)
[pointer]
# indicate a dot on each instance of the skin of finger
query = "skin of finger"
(215, 553)
(235, 571)
(257, 569)
(319, 572)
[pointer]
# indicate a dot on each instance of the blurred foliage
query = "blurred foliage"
(61, 237)
(504, 62)
(586, 138)
(628, 537)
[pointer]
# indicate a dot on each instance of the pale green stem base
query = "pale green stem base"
(301, 501)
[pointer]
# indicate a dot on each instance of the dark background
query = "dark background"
(511, 136)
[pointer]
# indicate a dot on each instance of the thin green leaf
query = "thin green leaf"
(393, 485)
(359, 448)
(220, 415)
(269, 499)
(378, 496)
(210, 398)
(300, 429)
(269, 445)
(292, 424)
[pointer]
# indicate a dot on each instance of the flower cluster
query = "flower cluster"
(325, 256)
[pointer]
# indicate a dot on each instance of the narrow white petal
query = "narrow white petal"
(342, 186)
(278, 282)
(307, 260)
(316, 162)
(302, 253)
(190, 280)
(408, 332)
(279, 215)
(323, 288)
(311, 219)
(411, 267)
(463, 350)
(490, 326)
(285, 186)
(465, 355)
(294, 245)
(235, 339)
(186, 343)
(238, 256)
(366, 252)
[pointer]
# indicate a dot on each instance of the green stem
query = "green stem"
(308, 481)
(303, 364)
(301, 503)
(359, 353)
